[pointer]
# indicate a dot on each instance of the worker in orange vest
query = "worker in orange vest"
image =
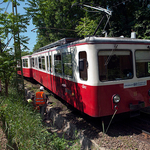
(41, 101)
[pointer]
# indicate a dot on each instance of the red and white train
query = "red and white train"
(96, 75)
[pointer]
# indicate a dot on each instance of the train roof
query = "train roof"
(96, 40)
(118, 40)
(26, 56)
(57, 43)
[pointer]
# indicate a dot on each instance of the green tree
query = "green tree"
(86, 27)
(142, 21)
(130, 15)
(14, 24)
(7, 68)
(54, 19)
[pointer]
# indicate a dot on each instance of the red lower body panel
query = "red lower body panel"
(96, 101)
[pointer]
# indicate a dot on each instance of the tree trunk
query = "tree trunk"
(6, 84)
(6, 87)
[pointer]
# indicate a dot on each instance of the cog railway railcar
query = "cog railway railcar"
(26, 66)
(96, 75)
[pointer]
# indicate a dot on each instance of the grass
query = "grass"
(24, 127)
(0, 137)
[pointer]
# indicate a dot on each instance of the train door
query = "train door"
(57, 73)
(83, 96)
(67, 71)
(47, 71)
(50, 70)
(36, 67)
(30, 67)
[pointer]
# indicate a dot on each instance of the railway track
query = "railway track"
(139, 125)
(142, 123)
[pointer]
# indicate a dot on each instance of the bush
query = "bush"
(24, 126)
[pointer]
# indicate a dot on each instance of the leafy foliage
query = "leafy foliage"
(84, 27)
(142, 22)
(130, 15)
(24, 127)
(54, 19)
(13, 25)
(7, 68)
(57, 19)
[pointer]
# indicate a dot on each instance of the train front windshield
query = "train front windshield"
(115, 65)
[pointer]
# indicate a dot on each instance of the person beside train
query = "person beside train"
(41, 101)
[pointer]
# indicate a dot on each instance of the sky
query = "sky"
(31, 34)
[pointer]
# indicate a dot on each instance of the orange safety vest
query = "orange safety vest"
(39, 98)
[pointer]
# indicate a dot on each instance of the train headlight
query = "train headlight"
(116, 98)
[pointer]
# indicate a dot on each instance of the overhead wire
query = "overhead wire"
(120, 3)
(7, 6)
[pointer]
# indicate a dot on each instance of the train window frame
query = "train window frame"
(48, 61)
(32, 62)
(36, 62)
(83, 73)
(25, 63)
(117, 68)
(58, 62)
(67, 64)
(41, 61)
(142, 63)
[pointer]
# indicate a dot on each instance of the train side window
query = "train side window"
(32, 59)
(43, 62)
(25, 62)
(67, 64)
(83, 65)
(36, 65)
(40, 66)
(48, 63)
(57, 64)
(142, 58)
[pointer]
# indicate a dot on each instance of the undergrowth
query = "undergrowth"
(24, 126)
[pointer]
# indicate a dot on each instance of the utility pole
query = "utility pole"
(0, 46)
(19, 81)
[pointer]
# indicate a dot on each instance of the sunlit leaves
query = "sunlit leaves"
(13, 24)
(7, 64)
(86, 27)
